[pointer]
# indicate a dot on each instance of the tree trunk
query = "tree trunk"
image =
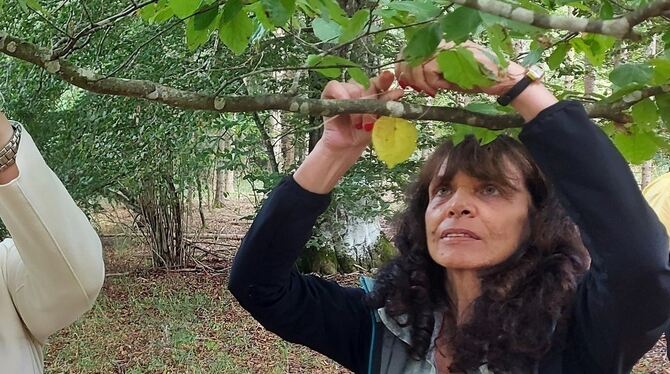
(647, 169)
(229, 182)
(589, 79)
(287, 144)
(224, 178)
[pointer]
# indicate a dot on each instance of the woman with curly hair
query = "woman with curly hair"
(493, 273)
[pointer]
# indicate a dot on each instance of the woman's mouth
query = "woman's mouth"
(458, 234)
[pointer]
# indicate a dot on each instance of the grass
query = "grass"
(173, 323)
(185, 323)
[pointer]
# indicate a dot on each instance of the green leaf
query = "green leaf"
(626, 74)
(235, 34)
(230, 10)
(333, 10)
(516, 28)
(258, 10)
(558, 55)
(663, 104)
(459, 66)
(163, 15)
(162, 12)
(502, 38)
(483, 135)
(195, 37)
(458, 25)
(184, 8)
(422, 44)
(206, 20)
(594, 46)
(35, 4)
(26, 5)
(485, 108)
(534, 56)
(314, 61)
(421, 10)
(147, 12)
(661, 70)
(359, 76)
(645, 112)
(355, 25)
(325, 30)
(606, 10)
(618, 94)
(280, 11)
(333, 65)
(23, 5)
(637, 147)
(501, 43)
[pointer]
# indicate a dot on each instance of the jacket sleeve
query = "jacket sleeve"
(303, 309)
(54, 264)
(623, 302)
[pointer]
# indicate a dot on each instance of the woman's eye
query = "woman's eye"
(490, 190)
(441, 191)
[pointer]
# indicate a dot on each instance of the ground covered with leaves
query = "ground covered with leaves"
(188, 322)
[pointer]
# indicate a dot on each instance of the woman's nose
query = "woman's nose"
(458, 212)
(460, 205)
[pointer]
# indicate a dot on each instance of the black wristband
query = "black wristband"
(515, 91)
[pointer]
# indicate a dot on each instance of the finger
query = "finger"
(335, 90)
(368, 121)
(379, 84)
(384, 81)
(399, 66)
(434, 76)
(418, 81)
(373, 90)
(397, 70)
(355, 91)
(343, 91)
(402, 74)
(392, 95)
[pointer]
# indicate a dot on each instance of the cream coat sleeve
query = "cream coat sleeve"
(54, 265)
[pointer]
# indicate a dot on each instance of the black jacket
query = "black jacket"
(621, 307)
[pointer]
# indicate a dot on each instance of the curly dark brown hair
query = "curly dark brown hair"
(522, 311)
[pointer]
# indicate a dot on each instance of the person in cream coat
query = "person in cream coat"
(51, 269)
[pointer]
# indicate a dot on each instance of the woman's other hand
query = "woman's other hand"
(351, 132)
(428, 78)
(345, 136)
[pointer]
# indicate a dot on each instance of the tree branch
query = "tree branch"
(621, 27)
(603, 108)
(94, 82)
(95, 26)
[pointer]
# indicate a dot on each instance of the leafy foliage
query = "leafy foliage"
(102, 146)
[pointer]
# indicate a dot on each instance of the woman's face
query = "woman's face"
(473, 224)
